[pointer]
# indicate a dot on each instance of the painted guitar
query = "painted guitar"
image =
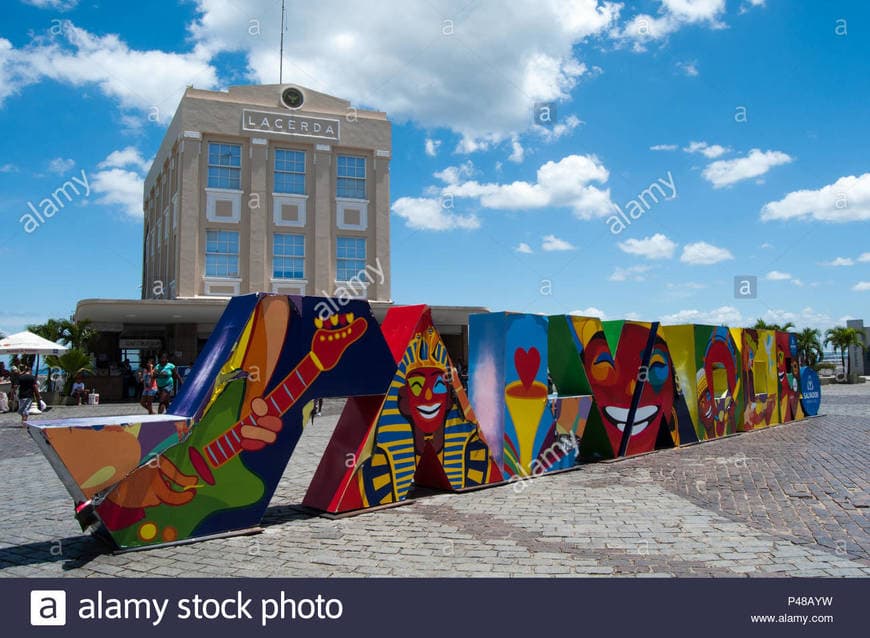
(205, 474)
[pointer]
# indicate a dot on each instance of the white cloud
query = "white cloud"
(695, 10)
(129, 156)
(455, 174)
(524, 248)
(684, 289)
(56, 5)
(60, 165)
(138, 79)
(591, 311)
(840, 261)
(703, 253)
(432, 147)
(552, 243)
(8, 168)
(689, 68)
(710, 151)
(561, 128)
(756, 162)
(117, 184)
(805, 318)
(731, 316)
(119, 188)
(644, 28)
(657, 246)
(864, 257)
(728, 315)
(565, 183)
(664, 147)
(776, 275)
(846, 200)
(517, 151)
(861, 286)
(425, 213)
(632, 273)
(407, 59)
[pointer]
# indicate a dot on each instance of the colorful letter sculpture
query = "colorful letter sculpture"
(508, 360)
(628, 369)
(707, 363)
(422, 431)
(249, 388)
(546, 392)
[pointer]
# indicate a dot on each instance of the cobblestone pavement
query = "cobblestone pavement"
(785, 501)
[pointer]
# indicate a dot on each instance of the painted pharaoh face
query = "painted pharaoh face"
(424, 399)
(614, 381)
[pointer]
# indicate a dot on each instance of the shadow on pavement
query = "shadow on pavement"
(73, 552)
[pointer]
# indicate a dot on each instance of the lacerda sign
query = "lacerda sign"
(290, 124)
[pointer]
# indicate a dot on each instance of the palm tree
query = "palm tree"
(809, 346)
(761, 324)
(75, 334)
(78, 334)
(842, 339)
(73, 362)
(51, 329)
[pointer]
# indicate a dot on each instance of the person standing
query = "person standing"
(27, 392)
(167, 381)
(149, 386)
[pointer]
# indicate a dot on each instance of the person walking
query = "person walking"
(167, 381)
(149, 386)
(27, 392)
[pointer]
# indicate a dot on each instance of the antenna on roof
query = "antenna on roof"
(281, 55)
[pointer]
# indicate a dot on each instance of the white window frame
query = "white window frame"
(342, 204)
(300, 201)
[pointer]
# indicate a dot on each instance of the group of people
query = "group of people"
(158, 382)
(24, 387)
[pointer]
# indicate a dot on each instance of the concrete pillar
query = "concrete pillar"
(381, 216)
(189, 213)
(321, 210)
(184, 342)
(258, 214)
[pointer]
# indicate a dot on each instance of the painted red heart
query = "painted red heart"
(527, 363)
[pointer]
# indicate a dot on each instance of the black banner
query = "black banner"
(419, 608)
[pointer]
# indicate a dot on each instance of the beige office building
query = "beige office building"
(273, 188)
(257, 189)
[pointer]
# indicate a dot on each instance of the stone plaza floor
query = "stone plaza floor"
(786, 501)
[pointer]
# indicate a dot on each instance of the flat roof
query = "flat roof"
(207, 310)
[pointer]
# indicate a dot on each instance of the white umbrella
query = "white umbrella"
(28, 343)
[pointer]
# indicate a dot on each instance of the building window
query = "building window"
(288, 257)
(350, 257)
(224, 166)
(221, 253)
(351, 177)
(289, 171)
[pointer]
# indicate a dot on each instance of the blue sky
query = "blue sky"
(755, 113)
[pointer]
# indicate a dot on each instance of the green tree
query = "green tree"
(73, 362)
(842, 339)
(761, 324)
(810, 346)
(75, 334)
